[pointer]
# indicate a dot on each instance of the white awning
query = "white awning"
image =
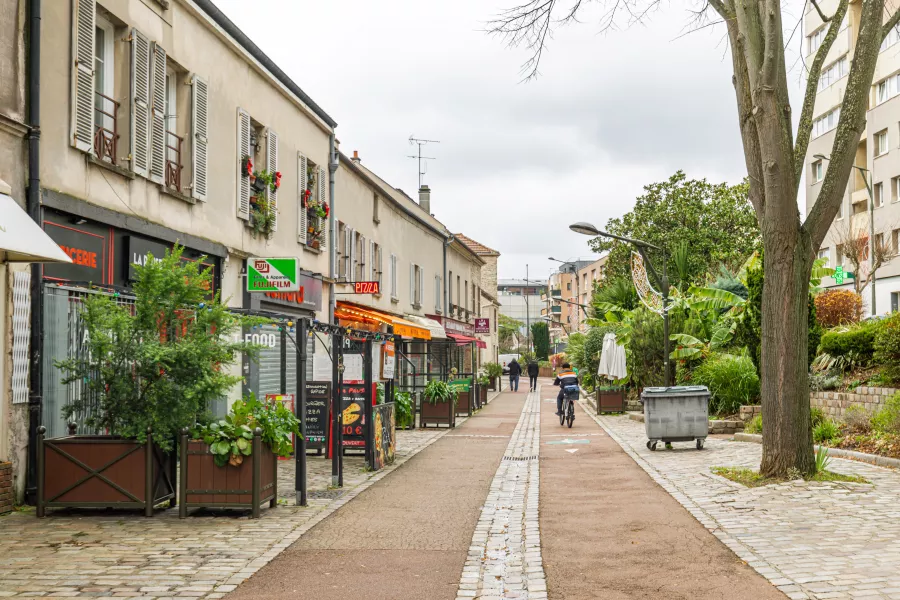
(22, 240)
(436, 329)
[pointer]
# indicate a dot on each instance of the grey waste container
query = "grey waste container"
(676, 414)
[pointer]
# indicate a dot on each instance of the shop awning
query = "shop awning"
(436, 329)
(23, 240)
(352, 312)
(462, 340)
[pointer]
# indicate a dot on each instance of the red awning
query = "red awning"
(462, 340)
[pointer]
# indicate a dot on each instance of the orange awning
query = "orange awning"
(352, 312)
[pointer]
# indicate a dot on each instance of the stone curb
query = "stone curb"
(872, 459)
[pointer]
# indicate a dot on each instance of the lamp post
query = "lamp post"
(661, 281)
(867, 178)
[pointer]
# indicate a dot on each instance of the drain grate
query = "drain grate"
(521, 458)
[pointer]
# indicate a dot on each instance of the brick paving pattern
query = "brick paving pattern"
(504, 560)
(116, 554)
(810, 539)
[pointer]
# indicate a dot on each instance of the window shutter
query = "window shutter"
(243, 145)
(372, 261)
(302, 182)
(380, 265)
(140, 103)
(421, 298)
(412, 283)
(348, 239)
(323, 197)
(351, 246)
(158, 115)
(200, 137)
(84, 15)
(272, 168)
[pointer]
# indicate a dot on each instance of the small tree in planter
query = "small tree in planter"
(151, 369)
(243, 445)
(440, 404)
(483, 382)
(494, 371)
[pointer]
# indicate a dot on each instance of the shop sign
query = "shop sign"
(273, 275)
(366, 287)
(139, 250)
(482, 325)
(454, 326)
(353, 420)
(388, 360)
(86, 249)
(317, 395)
(308, 296)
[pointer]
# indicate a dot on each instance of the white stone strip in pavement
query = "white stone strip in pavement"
(504, 559)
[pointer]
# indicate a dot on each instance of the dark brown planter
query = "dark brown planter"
(464, 404)
(492, 386)
(203, 484)
(610, 401)
(102, 471)
(436, 414)
(484, 392)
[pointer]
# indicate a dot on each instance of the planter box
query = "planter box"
(545, 372)
(436, 414)
(483, 392)
(102, 471)
(203, 484)
(464, 404)
(492, 386)
(610, 401)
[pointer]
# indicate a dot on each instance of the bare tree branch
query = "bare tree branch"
(855, 248)
(804, 128)
(819, 10)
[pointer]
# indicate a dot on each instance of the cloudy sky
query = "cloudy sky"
(517, 162)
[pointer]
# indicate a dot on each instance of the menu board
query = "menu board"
(318, 398)
(353, 414)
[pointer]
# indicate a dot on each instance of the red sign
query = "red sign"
(482, 325)
(366, 287)
(296, 297)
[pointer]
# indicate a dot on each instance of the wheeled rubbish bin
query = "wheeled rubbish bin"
(676, 414)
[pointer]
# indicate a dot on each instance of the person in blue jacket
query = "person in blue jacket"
(568, 376)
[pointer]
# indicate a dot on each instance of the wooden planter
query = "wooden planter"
(545, 372)
(203, 484)
(483, 391)
(464, 404)
(492, 386)
(610, 401)
(436, 414)
(102, 471)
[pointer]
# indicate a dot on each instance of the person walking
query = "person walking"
(533, 370)
(515, 369)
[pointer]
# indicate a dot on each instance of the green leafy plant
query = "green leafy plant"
(484, 380)
(262, 219)
(755, 425)
(816, 415)
(160, 363)
(822, 460)
(857, 419)
(540, 335)
(493, 369)
(731, 379)
(231, 439)
(403, 405)
(857, 341)
(887, 418)
(887, 347)
(439, 392)
(825, 431)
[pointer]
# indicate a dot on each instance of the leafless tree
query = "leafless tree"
(774, 158)
(854, 244)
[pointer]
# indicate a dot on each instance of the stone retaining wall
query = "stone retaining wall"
(6, 491)
(834, 404)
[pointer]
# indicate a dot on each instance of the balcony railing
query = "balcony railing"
(106, 130)
(173, 160)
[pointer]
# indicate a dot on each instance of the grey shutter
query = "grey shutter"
(421, 298)
(363, 252)
(84, 15)
(372, 261)
(200, 137)
(412, 284)
(380, 264)
(351, 244)
(243, 145)
(158, 115)
(272, 168)
(302, 182)
(323, 197)
(348, 243)
(140, 103)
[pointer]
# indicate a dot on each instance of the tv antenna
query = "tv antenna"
(421, 142)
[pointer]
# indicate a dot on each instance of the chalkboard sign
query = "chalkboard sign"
(353, 414)
(318, 398)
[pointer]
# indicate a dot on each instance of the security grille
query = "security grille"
(21, 325)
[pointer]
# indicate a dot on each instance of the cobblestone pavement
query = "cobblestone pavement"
(504, 559)
(810, 539)
(116, 554)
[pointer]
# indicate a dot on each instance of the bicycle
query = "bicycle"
(570, 395)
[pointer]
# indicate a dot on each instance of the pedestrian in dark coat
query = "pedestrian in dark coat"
(515, 369)
(533, 370)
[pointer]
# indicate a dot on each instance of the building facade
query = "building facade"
(489, 308)
(521, 300)
(877, 155)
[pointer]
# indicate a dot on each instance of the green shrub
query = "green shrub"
(858, 340)
(732, 381)
(816, 415)
(858, 419)
(887, 347)
(887, 419)
(821, 382)
(825, 430)
(754, 426)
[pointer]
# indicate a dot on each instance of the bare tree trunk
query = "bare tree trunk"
(787, 438)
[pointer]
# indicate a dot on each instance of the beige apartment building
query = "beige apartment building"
(569, 287)
(878, 151)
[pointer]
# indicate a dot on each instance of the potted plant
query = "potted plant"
(483, 382)
(610, 399)
(149, 370)
(262, 218)
(230, 463)
(406, 412)
(440, 404)
(494, 371)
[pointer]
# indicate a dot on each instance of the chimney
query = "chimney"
(425, 198)
(356, 157)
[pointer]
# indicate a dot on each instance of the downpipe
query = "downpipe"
(332, 232)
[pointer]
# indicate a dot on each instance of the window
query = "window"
(375, 265)
(416, 284)
(814, 40)
(375, 203)
(360, 273)
(458, 286)
(105, 107)
(173, 142)
(450, 292)
(826, 122)
(890, 39)
(438, 298)
(833, 72)
(895, 189)
(823, 253)
(839, 251)
(840, 214)
(818, 171)
(879, 241)
(895, 301)
(895, 241)
(343, 255)
(569, 286)
(466, 294)
(879, 194)
(881, 142)
(312, 206)
(887, 89)
(394, 296)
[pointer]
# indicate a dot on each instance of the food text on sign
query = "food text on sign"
(81, 257)
(366, 287)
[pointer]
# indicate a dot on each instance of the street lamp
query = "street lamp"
(867, 174)
(661, 281)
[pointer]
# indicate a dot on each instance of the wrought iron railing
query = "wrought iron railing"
(174, 164)
(106, 128)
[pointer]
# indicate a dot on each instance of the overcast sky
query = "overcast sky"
(517, 162)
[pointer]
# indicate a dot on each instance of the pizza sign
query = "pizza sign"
(366, 287)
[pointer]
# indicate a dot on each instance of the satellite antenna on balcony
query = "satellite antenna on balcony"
(421, 142)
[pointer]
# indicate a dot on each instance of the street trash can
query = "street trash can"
(676, 414)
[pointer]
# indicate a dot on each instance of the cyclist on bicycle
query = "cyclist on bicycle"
(565, 378)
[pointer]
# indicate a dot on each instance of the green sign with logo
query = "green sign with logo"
(839, 275)
(461, 385)
(273, 275)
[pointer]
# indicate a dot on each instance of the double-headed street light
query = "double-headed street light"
(661, 281)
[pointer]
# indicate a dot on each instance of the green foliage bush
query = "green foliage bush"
(492, 369)
(645, 349)
(816, 415)
(731, 379)
(858, 341)
(887, 347)
(887, 419)
(403, 404)
(825, 431)
(754, 426)
(858, 419)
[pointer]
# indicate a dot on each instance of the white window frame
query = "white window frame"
(878, 194)
(818, 171)
(109, 68)
(895, 189)
(815, 39)
(882, 143)
(825, 253)
(171, 113)
(438, 296)
(393, 267)
(826, 122)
